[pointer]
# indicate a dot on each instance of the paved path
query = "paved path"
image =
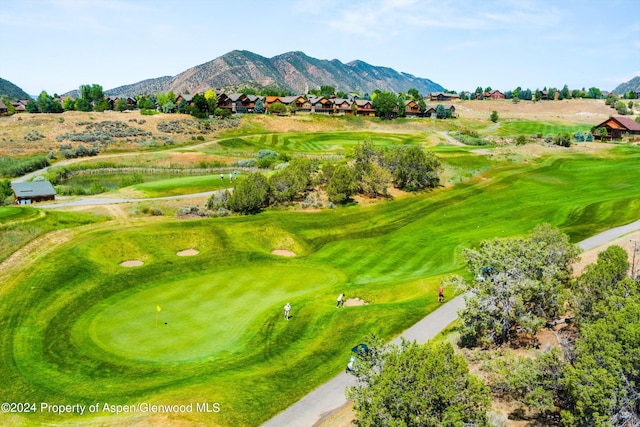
(61, 202)
(329, 397)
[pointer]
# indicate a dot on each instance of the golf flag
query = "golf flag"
(158, 308)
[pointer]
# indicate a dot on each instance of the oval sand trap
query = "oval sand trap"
(188, 252)
(283, 252)
(132, 263)
(352, 302)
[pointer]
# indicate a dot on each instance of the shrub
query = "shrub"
(246, 163)
(563, 140)
(193, 211)
(521, 140)
(218, 200)
(267, 153)
(33, 135)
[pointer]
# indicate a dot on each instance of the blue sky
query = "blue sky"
(56, 45)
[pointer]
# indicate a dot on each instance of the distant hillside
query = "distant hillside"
(293, 71)
(12, 91)
(631, 85)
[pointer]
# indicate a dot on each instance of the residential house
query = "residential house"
(20, 105)
(494, 94)
(545, 95)
(430, 111)
(3, 108)
(320, 104)
(411, 108)
(26, 193)
(238, 102)
(342, 106)
(364, 108)
(272, 100)
(617, 127)
(296, 101)
(188, 98)
(442, 96)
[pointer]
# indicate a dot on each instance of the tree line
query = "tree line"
(516, 287)
(369, 170)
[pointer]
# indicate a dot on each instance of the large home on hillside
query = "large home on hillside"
(365, 108)
(411, 108)
(320, 104)
(617, 127)
(442, 96)
(238, 102)
(26, 193)
(494, 94)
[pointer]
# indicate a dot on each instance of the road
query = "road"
(94, 201)
(329, 397)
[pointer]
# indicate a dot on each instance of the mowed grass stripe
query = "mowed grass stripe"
(45, 355)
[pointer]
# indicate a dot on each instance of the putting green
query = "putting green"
(200, 317)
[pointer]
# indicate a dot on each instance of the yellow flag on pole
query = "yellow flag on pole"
(158, 308)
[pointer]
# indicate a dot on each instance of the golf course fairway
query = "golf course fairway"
(79, 329)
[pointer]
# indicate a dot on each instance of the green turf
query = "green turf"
(20, 225)
(528, 128)
(15, 213)
(186, 185)
(80, 328)
(316, 142)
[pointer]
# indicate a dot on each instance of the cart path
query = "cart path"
(319, 404)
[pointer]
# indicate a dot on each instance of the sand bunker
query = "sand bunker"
(352, 302)
(132, 263)
(188, 252)
(283, 252)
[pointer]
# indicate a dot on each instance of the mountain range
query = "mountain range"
(12, 91)
(632, 85)
(293, 71)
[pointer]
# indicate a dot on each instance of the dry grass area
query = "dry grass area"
(14, 129)
(591, 111)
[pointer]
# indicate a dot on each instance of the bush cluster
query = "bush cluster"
(80, 151)
(193, 211)
(33, 135)
(12, 167)
(471, 139)
(103, 132)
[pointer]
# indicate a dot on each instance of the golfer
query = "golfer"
(340, 301)
(287, 310)
(440, 294)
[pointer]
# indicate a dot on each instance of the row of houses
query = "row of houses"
(241, 103)
(20, 106)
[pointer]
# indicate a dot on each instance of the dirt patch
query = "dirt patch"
(132, 263)
(353, 302)
(283, 252)
(188, 252)
(591, 256)
(340, 417)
